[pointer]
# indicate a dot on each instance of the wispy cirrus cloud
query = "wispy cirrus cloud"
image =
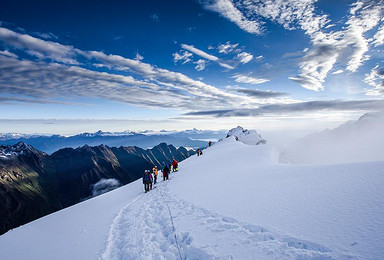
(375, 78)
(316, 64)
(200, 64)
(248, 79)
(8, 53)
(46, 36)
(200, 53)
(291, 15)
(248, 14)
(364, 17)
(227, 47)
(139, 57)
(299, 107)
(206, 56)
(14, 100)
(261, 93)
(338, 72)
(349, 44)
(378, 38)
(47, 78)
(161, 76)
(244, 57)
(41, 49)
(183, 56)
(227, 9)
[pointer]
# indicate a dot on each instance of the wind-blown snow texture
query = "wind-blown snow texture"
(232, 202)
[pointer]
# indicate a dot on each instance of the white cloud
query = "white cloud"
(227, 47)
(142, 84)
(200, 64)
(103, 186)
(375, 79)
(244, 57)
(378, 38)
(198, 52)
(338, 72)
(228, 10)
(9, 54)
(316, 64)
(157, 86)
(296, 107)
(47, 36)
(139, 57)
(364, 18)
(249, 80)
(289, 14)
(349, 43)
(47, 81)
(227, 66)
(205, 55)
(39, 48)
(184, 56)
(162, 76)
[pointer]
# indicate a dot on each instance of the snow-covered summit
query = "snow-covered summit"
(246, 136)
(102, 133)
(16, 150)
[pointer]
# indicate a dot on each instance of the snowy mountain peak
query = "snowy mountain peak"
(246, 136)
(16, 149)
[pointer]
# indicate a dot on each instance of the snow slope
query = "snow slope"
(234, 202)
(354, 141)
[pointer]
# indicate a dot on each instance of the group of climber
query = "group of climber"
(150, 178)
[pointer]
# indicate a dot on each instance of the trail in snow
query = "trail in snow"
(158, 225)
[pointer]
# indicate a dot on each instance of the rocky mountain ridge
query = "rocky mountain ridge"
(34, 184)
(50, 143)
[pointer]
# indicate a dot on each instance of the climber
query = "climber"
(155, 172)
(165, 172)
(147, 180)
(175, 166)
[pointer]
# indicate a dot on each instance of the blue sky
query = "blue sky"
(118, 65)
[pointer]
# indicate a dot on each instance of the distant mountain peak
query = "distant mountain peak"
(246, 136)
(17, 149)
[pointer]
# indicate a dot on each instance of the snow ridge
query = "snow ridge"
(250, 137)
(158, 225)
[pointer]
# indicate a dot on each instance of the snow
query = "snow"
(354, 141)
(7, 151)
(245, 136)
(101, 133)
(233, 202)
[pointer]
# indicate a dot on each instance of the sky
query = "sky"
(302, 65)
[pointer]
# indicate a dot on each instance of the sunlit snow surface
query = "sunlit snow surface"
(234, 201)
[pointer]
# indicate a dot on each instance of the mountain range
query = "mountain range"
(145, 139)
(34, 184)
